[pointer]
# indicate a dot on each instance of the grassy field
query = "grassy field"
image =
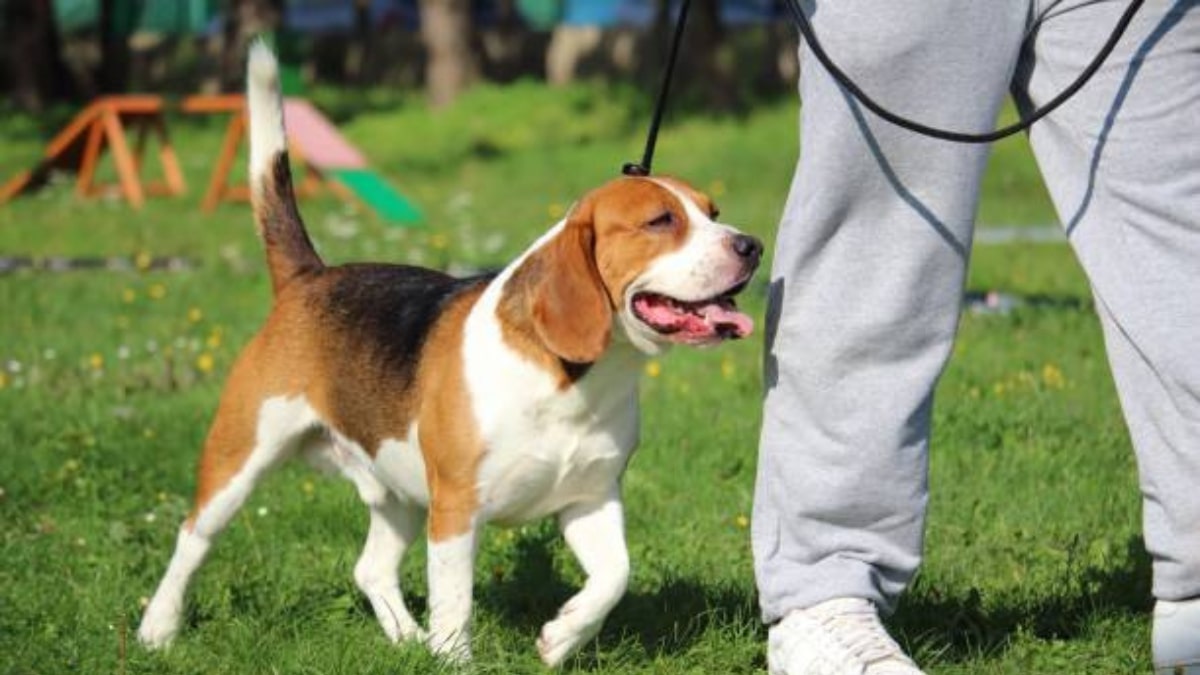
(108, 379)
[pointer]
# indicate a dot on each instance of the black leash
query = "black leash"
(810, 38)
(818, 51)
(643, 169)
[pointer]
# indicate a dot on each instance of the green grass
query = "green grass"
(1035, 562)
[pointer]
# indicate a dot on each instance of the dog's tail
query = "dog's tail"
(290, 253)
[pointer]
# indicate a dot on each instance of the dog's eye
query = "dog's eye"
(662, 221)
(714, 213)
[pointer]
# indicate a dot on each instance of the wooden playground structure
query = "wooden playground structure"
(100, 126)
(325, 160)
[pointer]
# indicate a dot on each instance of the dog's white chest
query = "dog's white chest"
(542, 458)
(547, 447)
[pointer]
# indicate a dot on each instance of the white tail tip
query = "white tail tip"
(265, 110)
(262, 67)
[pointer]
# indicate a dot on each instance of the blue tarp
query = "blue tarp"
(338, 16)
(640, 13)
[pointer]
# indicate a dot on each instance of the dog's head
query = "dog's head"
(647, 255)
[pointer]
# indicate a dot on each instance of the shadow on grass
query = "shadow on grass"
(957, 628)
(666, 620)
(670, 618)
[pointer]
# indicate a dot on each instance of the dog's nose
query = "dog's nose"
(747, 247)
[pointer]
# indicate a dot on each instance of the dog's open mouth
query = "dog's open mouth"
(698, 322)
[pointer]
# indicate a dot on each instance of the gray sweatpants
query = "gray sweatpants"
(872, 252)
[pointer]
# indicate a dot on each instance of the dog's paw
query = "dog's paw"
(399, 626)
(454, 649)
(159, 627)
(404, 631)
(562, 636)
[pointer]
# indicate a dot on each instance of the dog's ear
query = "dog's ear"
(569, 306)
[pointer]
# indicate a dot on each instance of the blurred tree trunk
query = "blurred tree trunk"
(114, 50)
(245, 20)
(33, 55)
(508, 47)
(359, 49)
(705, 66)
(446, 32)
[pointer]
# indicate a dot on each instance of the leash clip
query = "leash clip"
(635, 169)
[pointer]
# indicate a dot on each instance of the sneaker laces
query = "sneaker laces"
(854, 623)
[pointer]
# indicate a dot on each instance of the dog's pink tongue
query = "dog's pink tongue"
(660, 313)
(695, 323)
(726, 320)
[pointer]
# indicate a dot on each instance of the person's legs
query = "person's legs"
(1122, 162)
(865, 293)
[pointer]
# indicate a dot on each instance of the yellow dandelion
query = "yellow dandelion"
(728, 369)
(96, 361)
(214, 339)
(439, 241)
(742, 521)
(1053, 377)
(3, 380)
(998, 388)
(555, 210)
(204, 362)
(716, 188)
(195, 315)
(128, 296)
(308, 487)
(653, 369)
(157, 291)
(142, 260)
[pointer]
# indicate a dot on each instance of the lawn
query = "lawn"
(108, 379)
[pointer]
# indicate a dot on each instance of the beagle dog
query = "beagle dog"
(450, 403)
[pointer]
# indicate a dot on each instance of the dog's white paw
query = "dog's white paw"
(397, 623)
(454, 649)
(562, 636)
(159, 626)
(405, 632)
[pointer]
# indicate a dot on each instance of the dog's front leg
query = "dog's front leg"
(595, 531)
(451, 577)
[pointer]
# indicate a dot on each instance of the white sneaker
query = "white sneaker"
(1175, 639)
(842, 636)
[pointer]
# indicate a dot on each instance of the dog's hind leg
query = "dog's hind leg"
(596, 534)
(244, 443)
(394, 527)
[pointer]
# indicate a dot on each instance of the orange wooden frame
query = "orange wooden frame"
(103, 125)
